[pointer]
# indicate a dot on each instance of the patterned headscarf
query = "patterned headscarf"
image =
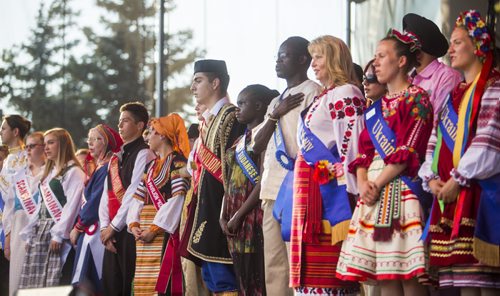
(477, 30)
(111, 137)
(172, 127)
(407, 38)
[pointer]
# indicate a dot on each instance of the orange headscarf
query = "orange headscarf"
(173, 128)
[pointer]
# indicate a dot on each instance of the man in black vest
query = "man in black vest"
(219, 129)
(124, 175)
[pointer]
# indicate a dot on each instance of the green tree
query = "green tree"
(37, 80)
(122, 66)
(44, 80)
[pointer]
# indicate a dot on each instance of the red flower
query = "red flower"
(349, 111)
(356, 101)
(321, 174)
(330, 106)
(341, 114)
(348, 133)
(348, 101)
(339, 105)
(332, 113)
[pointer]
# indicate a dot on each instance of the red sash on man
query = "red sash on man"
(116, 191)
(210, 161)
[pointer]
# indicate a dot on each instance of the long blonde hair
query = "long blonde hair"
(65, 154)
(338, 59)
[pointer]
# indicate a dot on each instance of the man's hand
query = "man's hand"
(110, 246)
(107, 234)
(289, 103)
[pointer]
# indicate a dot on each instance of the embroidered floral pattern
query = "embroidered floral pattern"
(346, 139)
(346, 107)
(326, 291)
(199, 232)
(421, 108)
(313, 108)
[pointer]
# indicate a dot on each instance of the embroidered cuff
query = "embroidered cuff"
(461, 180)
(156, 229)
(114, 227)
(405, 155)
(426, 180)
(134, 224)
(362, 160)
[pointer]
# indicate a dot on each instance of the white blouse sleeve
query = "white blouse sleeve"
(481, 159)
(134, 212)
(169, 215)
(103, 206)
(346, 106)
(425, 172)
(73, 184)
(119, 221)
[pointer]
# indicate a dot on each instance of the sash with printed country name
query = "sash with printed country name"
(486, 237)
(384, 140)
(245, 162)
(24, 195)
(52, 193)
(152, 181)
(336, 209)
(285, 160)
(210, 161)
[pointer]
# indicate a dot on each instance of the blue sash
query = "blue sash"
(487, 219)
(283, 207)
(335, 200)
(448, 124)
(384, 140)
(246, 163)
(286, 161)
(282, 210)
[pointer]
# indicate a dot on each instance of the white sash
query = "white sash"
(51, 201)
(22, 188)
(153, 191)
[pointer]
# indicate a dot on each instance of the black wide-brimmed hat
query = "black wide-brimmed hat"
(211, 66)
(432, 40)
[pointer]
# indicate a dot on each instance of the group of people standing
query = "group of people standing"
(318, 190)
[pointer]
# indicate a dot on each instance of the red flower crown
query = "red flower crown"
(477, 30)
(407, 38)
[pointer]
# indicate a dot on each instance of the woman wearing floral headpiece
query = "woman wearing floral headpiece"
(461, 168)
(384, 243)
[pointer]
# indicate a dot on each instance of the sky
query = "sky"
(244, 33)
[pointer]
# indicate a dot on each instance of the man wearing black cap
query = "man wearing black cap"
(432, 75)
(219, 130)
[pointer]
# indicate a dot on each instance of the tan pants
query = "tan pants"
(193, 282)
(275, 254)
